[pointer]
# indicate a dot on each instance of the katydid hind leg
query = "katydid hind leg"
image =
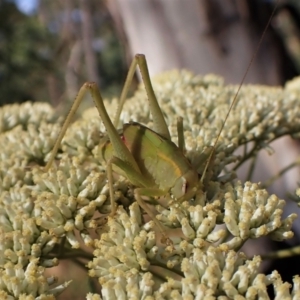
(119, 147)
(65, 126)
(159, 122)
(121, 151)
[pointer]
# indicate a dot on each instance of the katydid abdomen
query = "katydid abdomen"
(161, 162)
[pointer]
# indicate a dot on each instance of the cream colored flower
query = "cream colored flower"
(41, 210)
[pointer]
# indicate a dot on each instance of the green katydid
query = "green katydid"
(141, 154)
(147, 158)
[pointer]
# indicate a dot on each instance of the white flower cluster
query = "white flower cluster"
(247, 211)
(24, 247)
(67, 198)
(17, 282)
(251, 213)
(22, 114)
(31, 144)
(28, 133)
(43, 211)
(130, 265)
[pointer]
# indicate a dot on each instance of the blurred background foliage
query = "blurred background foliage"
(44, 54)
(47, 53)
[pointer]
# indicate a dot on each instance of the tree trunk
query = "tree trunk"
(208, 36)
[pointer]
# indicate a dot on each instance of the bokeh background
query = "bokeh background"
(48, 49)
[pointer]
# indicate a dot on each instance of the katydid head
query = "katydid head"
(186, 186)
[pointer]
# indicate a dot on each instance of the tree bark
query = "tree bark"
(183, 34)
